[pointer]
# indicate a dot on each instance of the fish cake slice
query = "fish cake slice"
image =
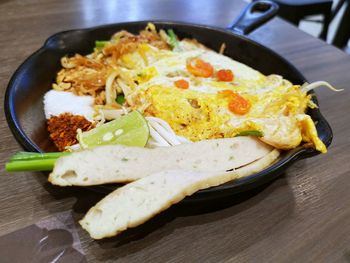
(137, 202)
(120, 164)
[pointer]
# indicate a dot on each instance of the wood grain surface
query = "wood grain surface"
(304, 216)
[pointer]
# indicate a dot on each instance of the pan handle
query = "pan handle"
(253, 16)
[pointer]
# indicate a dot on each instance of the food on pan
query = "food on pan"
(170, 115)
(136, 202)
(118, 163)
(186, 92)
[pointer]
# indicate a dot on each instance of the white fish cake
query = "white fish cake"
(118, 163)
(137, 202)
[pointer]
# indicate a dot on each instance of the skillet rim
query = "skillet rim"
(236, 186)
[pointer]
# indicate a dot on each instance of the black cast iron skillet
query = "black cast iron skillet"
(24, 94)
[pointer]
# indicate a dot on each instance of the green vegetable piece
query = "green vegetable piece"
(30, 165)
(250, 133)
(131, 130)
(24, 156)
(30, 161)
(173, 40)
(120, 99)
(100, 44)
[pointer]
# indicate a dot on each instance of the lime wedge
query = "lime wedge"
(131, 130)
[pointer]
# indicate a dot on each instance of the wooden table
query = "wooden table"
(301, 217)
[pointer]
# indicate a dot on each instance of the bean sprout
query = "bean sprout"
(110, 92)
(306, 87)
(161, 134)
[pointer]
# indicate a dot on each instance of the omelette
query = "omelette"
(210, 108)
(197, 93)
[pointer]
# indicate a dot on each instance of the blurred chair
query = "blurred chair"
(297, 10)
(342, 34)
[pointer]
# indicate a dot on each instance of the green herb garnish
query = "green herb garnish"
(250, 133)
(29, 161)
(100, 44)
(173, 42)
(120, 99)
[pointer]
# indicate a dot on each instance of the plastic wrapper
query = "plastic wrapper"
(53, 240)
